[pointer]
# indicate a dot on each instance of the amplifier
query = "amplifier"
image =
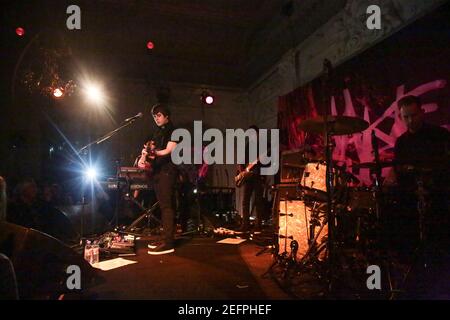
(292, 166)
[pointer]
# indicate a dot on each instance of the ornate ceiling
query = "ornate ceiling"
(215, 42)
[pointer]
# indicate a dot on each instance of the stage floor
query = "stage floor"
(203, 269)
(200, 269)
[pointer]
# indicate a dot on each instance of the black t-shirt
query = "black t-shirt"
(426, 149)
(161, 136)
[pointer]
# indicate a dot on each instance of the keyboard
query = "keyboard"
(112, 185)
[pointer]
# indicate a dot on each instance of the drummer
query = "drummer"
(422, 154)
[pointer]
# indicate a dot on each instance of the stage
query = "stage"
(203, 269)
(200, 269)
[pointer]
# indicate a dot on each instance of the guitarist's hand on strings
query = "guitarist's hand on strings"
(148, 152)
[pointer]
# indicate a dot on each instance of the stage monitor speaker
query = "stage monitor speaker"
(294, 224)
(41, 261)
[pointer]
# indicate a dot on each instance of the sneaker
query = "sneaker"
(154, 244)
(162, 249)
(242, 230)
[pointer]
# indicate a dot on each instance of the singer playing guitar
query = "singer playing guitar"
(164, 175)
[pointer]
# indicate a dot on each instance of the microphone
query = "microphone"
(139, 115)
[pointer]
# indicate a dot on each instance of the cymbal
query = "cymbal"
(337, 125)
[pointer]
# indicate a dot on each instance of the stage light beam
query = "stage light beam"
(94, 94)
(91, 174)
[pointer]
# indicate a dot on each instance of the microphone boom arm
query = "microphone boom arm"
(108, 135)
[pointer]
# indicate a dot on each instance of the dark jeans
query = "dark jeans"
(164, 184)
(252, 185)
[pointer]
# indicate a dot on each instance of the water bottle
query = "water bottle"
(95, 253)
(88, 252)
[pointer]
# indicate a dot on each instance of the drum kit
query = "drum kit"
(328, 216)
(335, 229)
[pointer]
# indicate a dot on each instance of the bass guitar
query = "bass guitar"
(244, 175)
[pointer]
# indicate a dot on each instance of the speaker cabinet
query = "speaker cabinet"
(41, 261)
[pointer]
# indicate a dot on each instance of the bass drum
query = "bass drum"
(298, 222)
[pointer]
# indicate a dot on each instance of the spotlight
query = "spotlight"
(58, 92)
(20, 31)
(91, 174)
(207, 98)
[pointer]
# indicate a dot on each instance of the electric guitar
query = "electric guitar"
(144, 162)
(243, 176)
(146, 158)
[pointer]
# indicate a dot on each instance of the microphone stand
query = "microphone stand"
(328, 132)
(377, 188)
(103, 138)
(107, 136)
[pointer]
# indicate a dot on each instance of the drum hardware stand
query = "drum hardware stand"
(314, 221)
(291, 260)
(377, 187)
(288, 263)
(420, 250)
(314, 250)
(147, 214)
(278, 259)
(272, 248)
(376, 192)
(328, 132)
